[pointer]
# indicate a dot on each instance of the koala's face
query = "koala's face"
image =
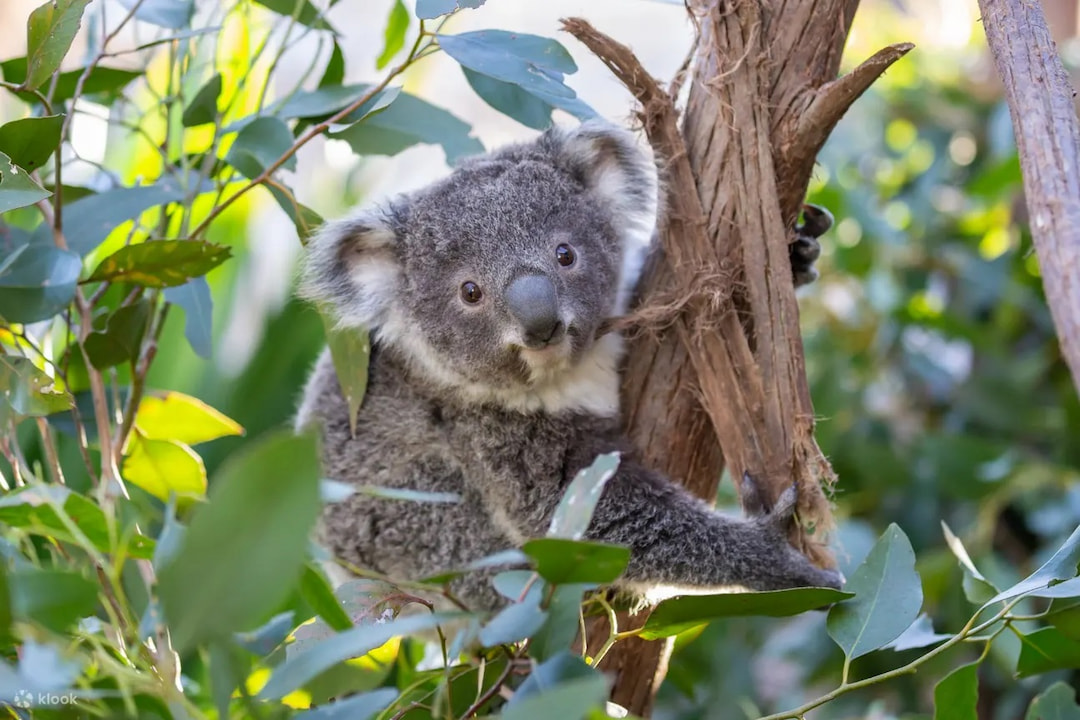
(501, 274)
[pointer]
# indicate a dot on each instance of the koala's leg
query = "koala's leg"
(678, 541)
(806, 249)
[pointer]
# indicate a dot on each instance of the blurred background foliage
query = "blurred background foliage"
(934, 369)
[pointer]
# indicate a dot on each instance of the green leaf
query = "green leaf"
(350, 350)
(30, 142)
(957, 694)
(511, 100)
(570, 700)
(304, 12)
(561, 561)
(1057, 702)
(388, 493)
(37, 282)
(534, 63)
(101, 81)
(203, 108)
(244, 551)
(259, 145)
(394, 34)
(317, 593)
(194, 297)
(52, 598)
(172, 14)
(1060, 567)
(335, 68)
(574, 513)
(407, 122)
(95, 217)
(304, 666)
(264, 639)
(17, 189)
(562, 667)
(304, 219)
(977, 589)
(677, 614)
(1045, 650)
(561, 626)
(920, 634)
(49, 33)
(164, 467)
(161, 263)
(888, 595)
(428, 9)
(514, 622)
(121, 340)
(1066, 620)
(176, 416)
(357, 707)
(28, 391)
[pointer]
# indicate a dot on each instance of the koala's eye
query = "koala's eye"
(470, 292)
(565, 255)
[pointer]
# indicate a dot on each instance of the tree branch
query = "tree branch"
(1041, 102)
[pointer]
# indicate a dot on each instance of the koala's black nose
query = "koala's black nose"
(534, 303)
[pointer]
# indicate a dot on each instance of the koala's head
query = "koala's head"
(501, 273)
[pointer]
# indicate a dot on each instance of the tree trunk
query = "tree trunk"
(1048, 140)
(717, 362)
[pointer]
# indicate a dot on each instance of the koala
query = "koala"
(484, 294)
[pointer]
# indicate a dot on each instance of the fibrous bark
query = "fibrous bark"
(1041, 102)
(715, 374)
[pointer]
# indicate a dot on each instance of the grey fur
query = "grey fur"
(457, 402)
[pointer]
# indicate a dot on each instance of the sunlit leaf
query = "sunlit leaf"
(94, 217)
(164, 467)
(101, 81)
(350, 350)
(30, 142)
(28, 391)
(334, 74)
(194, 297)
(185, 419)
(122, 337)
(244, 551)
(161, 263)
(410, 121)
(1057, 702)
(421, 496)
(511, 100)
(203, 108)
(888, 596)
(1045, 650)
(956, 696)
(172, 14)
(977, 589)
(394, 34)
(574, 512)
(532, 62)
(17, 189)
(49, 32)
(559, 560)
(317, 593)
(259, 145)
(677, 614)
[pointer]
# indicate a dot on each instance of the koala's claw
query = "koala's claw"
(805, 249)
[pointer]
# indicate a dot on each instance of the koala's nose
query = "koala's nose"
(534, 303)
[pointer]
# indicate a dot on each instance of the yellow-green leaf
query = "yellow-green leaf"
(164, 467)
(49, 32)
(162, 263)
(182, 418)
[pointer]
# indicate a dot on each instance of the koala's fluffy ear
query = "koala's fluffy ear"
(351, 265)
(609, 161)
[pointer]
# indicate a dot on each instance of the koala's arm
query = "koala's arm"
(676, 540)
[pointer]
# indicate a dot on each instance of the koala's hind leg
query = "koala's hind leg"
(806, 249)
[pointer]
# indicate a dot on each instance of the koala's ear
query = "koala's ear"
(609, 161)
(351, 266)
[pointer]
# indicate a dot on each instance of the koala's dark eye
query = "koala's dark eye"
(470, 292)
(565, 255)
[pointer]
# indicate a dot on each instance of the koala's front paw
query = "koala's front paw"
(785, 567)
(806, 249)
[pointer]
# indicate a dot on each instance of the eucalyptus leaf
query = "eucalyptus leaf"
(357, 707)
(29, 391)
(888, 596)
(317, 593)
(394, 34)
(534, 63)
(1062, 566)
(956, 696)
(203, 108)
(101, 81)
(121, 340)
(350, 351)
(1045, 650)
(172, 14)
(161, 263)
(175, 416)
(30, 142)
(259, 145)
(919, 635)
(55, 599)
(561, 626)
(17, 189)
(514, 623)
(303, 10)
(89, 220)
(1057, 702)
(164, 468)
(37, 282)
(574, 512)
(244, 551)
(569, 700)
(194, 297)
(50, 31)
(559, 560)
